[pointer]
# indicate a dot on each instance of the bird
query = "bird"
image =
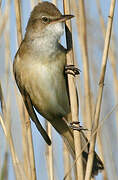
(39, 71)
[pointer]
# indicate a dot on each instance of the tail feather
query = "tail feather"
(63, 129)
(69, 141)
(97, 165)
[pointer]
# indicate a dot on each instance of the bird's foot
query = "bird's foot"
(71, 69)
(73, 126)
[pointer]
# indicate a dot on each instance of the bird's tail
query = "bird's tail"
(69, 141)
(63, 129)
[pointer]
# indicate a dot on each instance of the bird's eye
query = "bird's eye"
(45, 19)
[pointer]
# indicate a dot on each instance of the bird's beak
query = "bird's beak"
(63, 18)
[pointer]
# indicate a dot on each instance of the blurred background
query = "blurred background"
(23, 152)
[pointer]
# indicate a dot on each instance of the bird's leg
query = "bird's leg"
(71, 69)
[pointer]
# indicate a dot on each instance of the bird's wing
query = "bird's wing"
(32, 114)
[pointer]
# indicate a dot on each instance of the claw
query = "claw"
(71, 69)
(74, 122)
(73, 126)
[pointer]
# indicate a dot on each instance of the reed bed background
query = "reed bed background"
(23, 152)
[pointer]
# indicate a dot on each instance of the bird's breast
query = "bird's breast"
(47, 88)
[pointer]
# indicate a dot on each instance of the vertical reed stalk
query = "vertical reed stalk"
(19, 174)
(6, 107)
(100, 90)
(82, 34)
(49, 154)
(73, 95)
(18, 21)
(29, 145)
(26, 159)
(66, 162)
(111, 58)
(100, 147)
(4, 17)
(114, 70)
